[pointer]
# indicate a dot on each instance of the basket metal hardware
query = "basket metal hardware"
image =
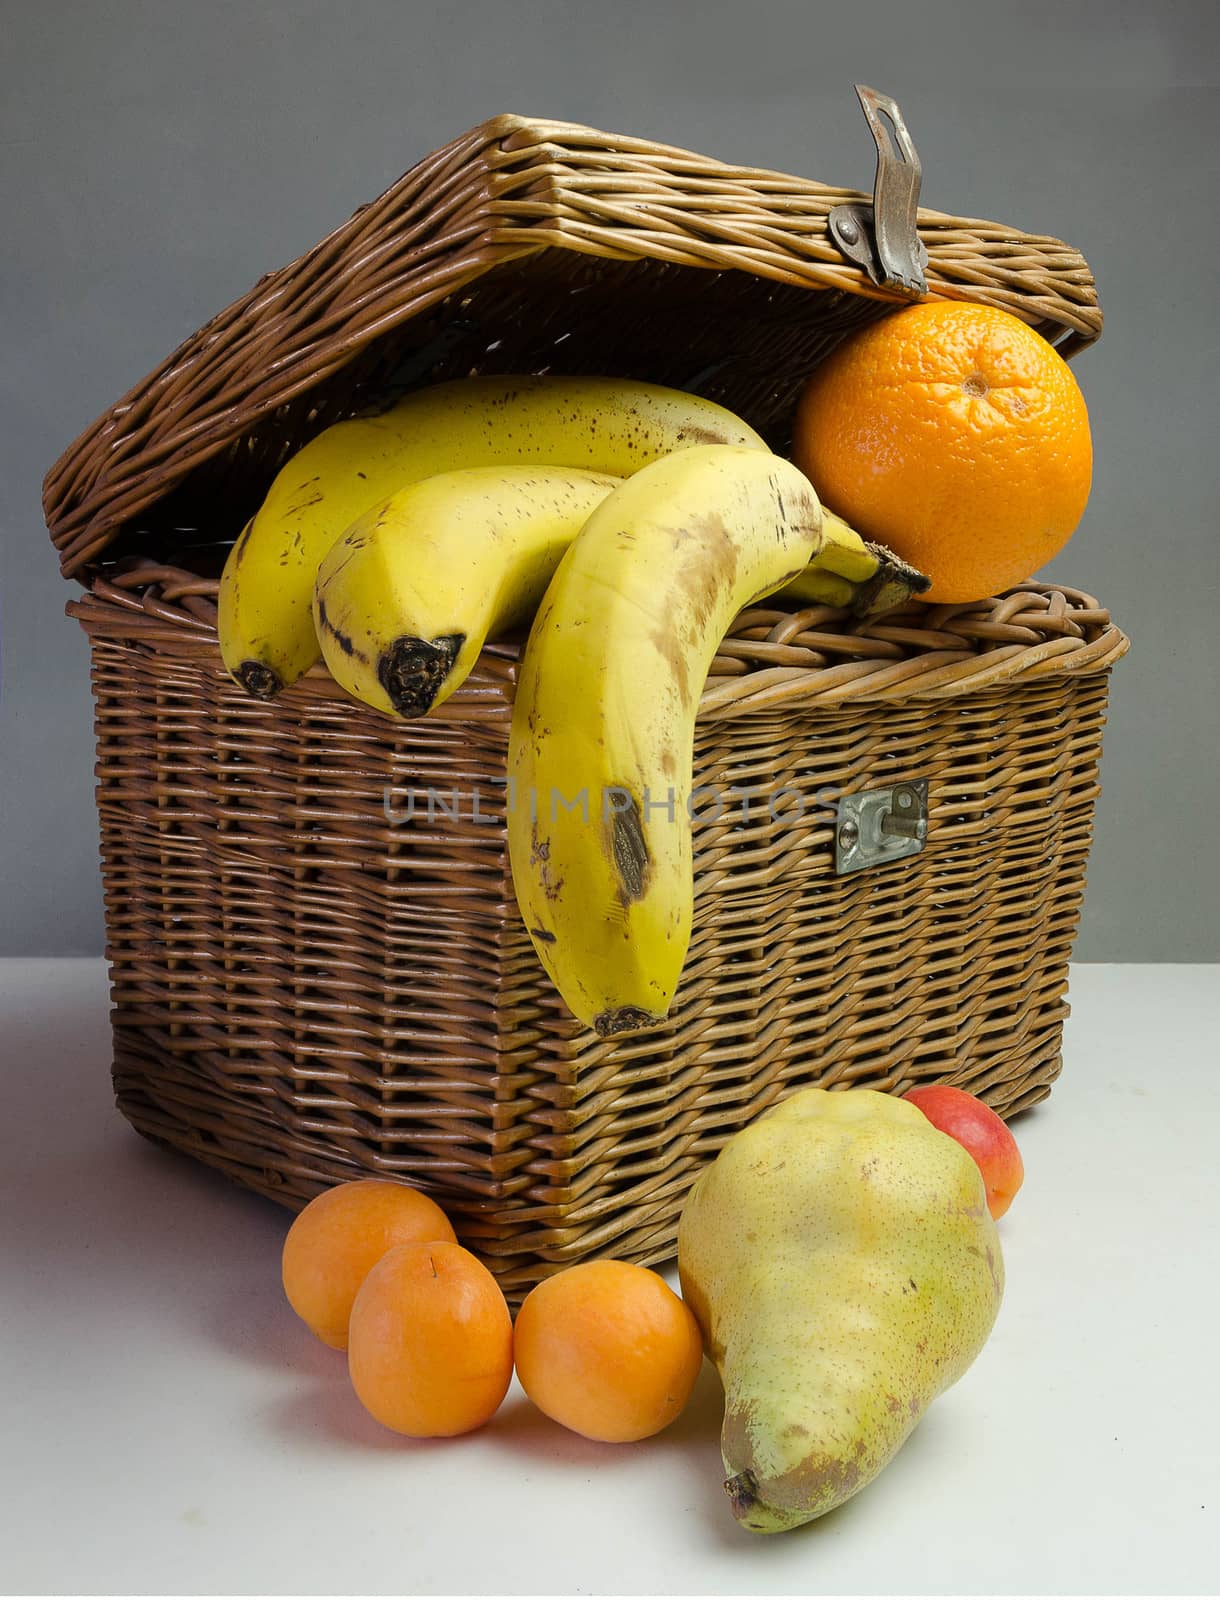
(883, 238)
(880, 825)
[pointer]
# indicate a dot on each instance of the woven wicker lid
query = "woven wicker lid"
(524, 245)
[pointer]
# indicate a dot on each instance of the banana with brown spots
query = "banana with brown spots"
(409, 596)
(608, 425)
(600, 751)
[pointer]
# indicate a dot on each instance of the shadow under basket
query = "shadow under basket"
(318, 967)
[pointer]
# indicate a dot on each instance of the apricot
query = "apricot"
(978, 1129)
(607, 1349)
(340, 1236)
(430, 1350)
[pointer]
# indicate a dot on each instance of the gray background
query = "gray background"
(156, 157)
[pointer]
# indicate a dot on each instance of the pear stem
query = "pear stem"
(743, 1492)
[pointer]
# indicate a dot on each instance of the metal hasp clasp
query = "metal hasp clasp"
(881, 825)
(883, 238)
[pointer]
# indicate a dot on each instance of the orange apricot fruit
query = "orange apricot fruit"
(340, 1236)
(431, 1341)
(607, 1349)
(981, 1131)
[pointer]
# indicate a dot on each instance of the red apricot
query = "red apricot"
(978, 1129)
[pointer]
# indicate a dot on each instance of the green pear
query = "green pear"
(844, 1269)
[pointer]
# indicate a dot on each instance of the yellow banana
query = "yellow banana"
(847, 572)
(834, 575)
(817, 587)
(843, 551)
(408, 597)
(605, 425)
(600, 750)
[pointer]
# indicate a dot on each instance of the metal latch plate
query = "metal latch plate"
(880, 825)
(884, 238)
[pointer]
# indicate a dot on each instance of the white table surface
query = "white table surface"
(169, 1427)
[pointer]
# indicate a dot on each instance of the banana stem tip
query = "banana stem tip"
(258, 679)
(627, 1019)
(411, 671)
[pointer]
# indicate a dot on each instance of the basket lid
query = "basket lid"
(527, 245)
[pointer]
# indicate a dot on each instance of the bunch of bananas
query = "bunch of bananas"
(632, 522)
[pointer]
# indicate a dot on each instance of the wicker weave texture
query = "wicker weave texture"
(311, 984)
(472, 261)
(312, 980)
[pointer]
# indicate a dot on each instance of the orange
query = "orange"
(957, 436)
(607, 1349)
(340, 1236)
(431, 1346)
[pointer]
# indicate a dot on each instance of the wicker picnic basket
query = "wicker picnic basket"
(315, 978)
